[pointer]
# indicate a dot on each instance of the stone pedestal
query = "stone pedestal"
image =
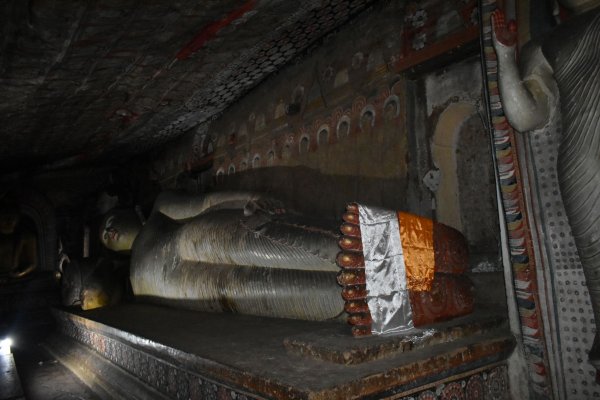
(143, 351)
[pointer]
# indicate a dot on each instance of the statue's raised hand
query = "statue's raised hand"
(504, 34)
(525, 102)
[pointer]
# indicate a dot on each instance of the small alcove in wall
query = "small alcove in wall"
(455, 168)
(38, 215)
(466, 196)
(30, 255)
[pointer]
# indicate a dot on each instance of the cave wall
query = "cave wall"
(333, 127)
(448, 111)
(361, 117)
(348, 142)
(352, 119)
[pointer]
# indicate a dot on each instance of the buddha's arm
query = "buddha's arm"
(525, 102)
(179, 206)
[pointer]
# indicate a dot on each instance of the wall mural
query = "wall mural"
(433, 27)
(429, 29)
(288, 148)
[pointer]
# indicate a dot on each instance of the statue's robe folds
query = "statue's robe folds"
(573, 51)
(282, 265)
(222, 260)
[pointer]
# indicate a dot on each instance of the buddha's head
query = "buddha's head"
(119, 229)
(94, 297)
(9, 217)
(579, 6)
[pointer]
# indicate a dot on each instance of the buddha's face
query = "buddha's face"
(94, 298)
(119, 230)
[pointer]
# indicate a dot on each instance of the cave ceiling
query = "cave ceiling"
(105, 80)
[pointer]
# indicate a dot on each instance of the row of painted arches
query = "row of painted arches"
(342, 130)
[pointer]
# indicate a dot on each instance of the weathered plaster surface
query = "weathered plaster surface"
(461, 82)
(444, 149)
(347, 139)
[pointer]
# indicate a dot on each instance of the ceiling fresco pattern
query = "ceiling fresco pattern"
(83, 80)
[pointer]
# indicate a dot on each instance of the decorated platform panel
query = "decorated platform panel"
(181, 354)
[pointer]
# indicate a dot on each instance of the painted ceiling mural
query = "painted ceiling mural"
(80, 81)
(423, 30)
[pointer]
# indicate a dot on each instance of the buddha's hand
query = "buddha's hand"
(264, 204)
(504, 35)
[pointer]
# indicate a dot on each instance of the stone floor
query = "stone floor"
(42, 377)
(10, 385)
(25, 317)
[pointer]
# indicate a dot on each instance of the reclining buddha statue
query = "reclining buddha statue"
(244, 252)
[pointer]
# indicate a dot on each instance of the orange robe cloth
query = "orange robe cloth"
(416, 235)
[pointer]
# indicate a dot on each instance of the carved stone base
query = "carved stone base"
(330, 345)
(168, 353)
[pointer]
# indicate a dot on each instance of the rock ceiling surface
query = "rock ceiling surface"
(82, 81)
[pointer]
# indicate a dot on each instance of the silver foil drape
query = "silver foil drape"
(385, 271)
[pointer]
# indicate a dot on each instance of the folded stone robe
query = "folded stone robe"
(224, 260)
